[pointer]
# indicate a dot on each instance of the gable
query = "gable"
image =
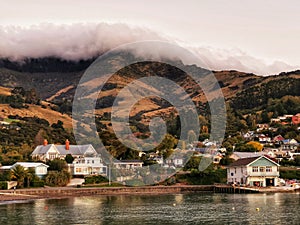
(263, 162)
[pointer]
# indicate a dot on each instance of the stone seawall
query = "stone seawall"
(38, 193)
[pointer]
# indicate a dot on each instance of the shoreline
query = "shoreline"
(66, 192)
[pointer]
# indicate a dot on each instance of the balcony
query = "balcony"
(264, 174)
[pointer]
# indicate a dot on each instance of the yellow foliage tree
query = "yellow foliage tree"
(258, 146)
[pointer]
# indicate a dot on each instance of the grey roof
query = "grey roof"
(243, 155)
(30, 164)
(41, 149)
(74, 149)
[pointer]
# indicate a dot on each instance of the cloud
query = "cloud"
(235, 59)
(71, 42)
(83, 41)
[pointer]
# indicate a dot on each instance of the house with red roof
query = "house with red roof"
(296, 119)
(254, 171)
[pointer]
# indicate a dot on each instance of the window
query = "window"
(92, 161)
(261, 169)
(52, 156)
(254, 169)
(269, 169)
(232, 174)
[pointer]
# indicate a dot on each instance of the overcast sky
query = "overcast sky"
(267, 30)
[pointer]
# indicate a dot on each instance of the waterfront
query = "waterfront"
(200, 208)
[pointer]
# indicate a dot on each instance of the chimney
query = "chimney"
(45, 142)
(67, 145)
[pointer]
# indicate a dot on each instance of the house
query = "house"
(174, 161)
(87, 166)
(263, 139)
(50, 151)
(249, 135)
(261, 127)
(289, 144)
(128, 164)
(254, 171)
(40, 169)
(296, 119)
(217, 158)
(278, 138)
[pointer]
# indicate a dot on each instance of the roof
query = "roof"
(30, 164)
(242, 155)
(75, 149)
(42, 149)
(61, 149)
(247, 161)
(244, 161)
(25, 165)
(127, 161)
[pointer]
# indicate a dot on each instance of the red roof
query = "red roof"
(244, 161)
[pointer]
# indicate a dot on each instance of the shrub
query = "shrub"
(57, 178)
(3, 185)
(135, 182)
(37, 183)
(95, 180)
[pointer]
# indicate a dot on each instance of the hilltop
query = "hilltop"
(55, 81)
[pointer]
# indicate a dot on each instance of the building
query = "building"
(50, 151)
(263, 126)
(40, 169)
(289, 145)
(263, 139)
(128, 164)
(254, 171)
(87, 166)
(296, 119)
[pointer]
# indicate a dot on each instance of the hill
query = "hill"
(37, 97)
(55, 81)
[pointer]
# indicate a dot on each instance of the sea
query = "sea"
(196, 208)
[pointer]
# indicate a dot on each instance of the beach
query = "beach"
(65, 192)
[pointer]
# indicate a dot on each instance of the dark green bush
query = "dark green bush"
(3, 185)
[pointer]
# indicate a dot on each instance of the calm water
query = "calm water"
(279, 208)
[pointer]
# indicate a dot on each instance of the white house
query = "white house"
(50, 151)
(128, 164)
(40, 169)
(254, 171)
(87, 166)
(289, 144)
(263, 139)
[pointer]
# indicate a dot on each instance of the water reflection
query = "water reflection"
(203, 208)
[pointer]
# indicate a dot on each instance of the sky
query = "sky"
(252, 36)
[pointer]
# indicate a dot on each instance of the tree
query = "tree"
(265, 117)
(169, 142)
(57, 164)
(69, 158)
(57, 178)
(191, 137)
(258, 146)
(19, 173)
(193, 163)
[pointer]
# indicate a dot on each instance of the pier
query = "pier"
(221, 188)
